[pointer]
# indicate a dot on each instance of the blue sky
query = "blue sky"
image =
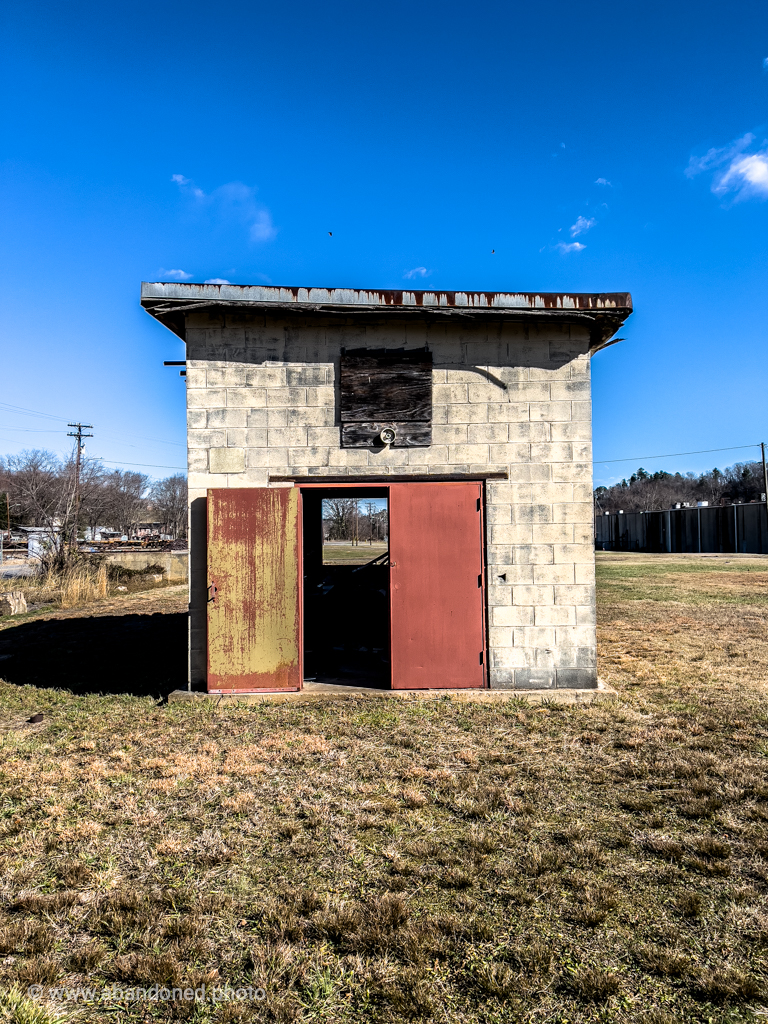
(593, 146)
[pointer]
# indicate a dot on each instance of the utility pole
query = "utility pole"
(2, 532)
(765, 474)
(79, 448)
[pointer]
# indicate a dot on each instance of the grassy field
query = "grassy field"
(340, 553)
(378, 861)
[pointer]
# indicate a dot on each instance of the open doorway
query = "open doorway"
(346, 585)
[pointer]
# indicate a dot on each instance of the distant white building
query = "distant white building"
(41, 539)
(97, 533)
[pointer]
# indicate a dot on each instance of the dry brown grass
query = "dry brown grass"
(380, 861)
(86, 582)
(164, 598)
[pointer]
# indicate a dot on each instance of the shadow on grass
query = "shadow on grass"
(143, 655)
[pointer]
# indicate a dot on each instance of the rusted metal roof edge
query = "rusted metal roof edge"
(160, 308)
(382, 299)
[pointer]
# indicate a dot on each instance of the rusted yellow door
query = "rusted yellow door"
(253, 589)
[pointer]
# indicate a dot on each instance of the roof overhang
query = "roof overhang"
(601, 313)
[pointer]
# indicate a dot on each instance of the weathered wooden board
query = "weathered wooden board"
(254, 588)
(386, 386)
(366, 435)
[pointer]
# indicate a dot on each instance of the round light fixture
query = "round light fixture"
(387, 436)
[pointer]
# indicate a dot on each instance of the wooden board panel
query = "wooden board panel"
(366, 435)
(437, 585)
(254, 589)
(387, 386)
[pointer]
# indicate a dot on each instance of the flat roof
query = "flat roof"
(170, 301)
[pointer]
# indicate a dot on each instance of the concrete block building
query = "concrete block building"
(469, 413)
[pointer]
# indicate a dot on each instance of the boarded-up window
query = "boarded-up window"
(385, 392)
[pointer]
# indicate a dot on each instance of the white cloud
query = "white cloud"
(569, 247)
(216, 280)
(582, 224)
(734, 169)
(233, 202)
(747, 176)
(604, 181)
(416, 272)
(186, 184)
(765, 63)
(176, 275)
(262, 228)
(716, 157)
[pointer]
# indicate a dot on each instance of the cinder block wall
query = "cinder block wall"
(262, 399)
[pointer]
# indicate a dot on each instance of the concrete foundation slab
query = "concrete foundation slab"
(332, 691)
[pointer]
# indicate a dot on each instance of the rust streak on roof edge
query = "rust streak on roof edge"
(175, 292)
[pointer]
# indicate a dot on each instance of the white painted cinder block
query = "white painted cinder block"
(262, 401)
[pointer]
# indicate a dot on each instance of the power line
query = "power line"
(145, 465)
(32, 412)
(674, 455)
(111, 462)
(60, 419)
(105, 433)
(10, 440)
(602, 462)
(141, 437)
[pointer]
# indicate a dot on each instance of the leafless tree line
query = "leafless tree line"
(648, 492)
(37, 488)
(354, 519)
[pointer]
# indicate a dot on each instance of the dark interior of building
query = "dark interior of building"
(346, 607)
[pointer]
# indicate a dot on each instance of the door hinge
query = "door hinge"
(480, 579)
(481, 657)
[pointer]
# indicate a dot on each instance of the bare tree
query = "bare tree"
(95, 495)
(126, 498)
(168, 501)
(338, 518)
(40, 492)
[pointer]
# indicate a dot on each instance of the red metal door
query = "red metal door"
(254, 588)
(436, 585)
